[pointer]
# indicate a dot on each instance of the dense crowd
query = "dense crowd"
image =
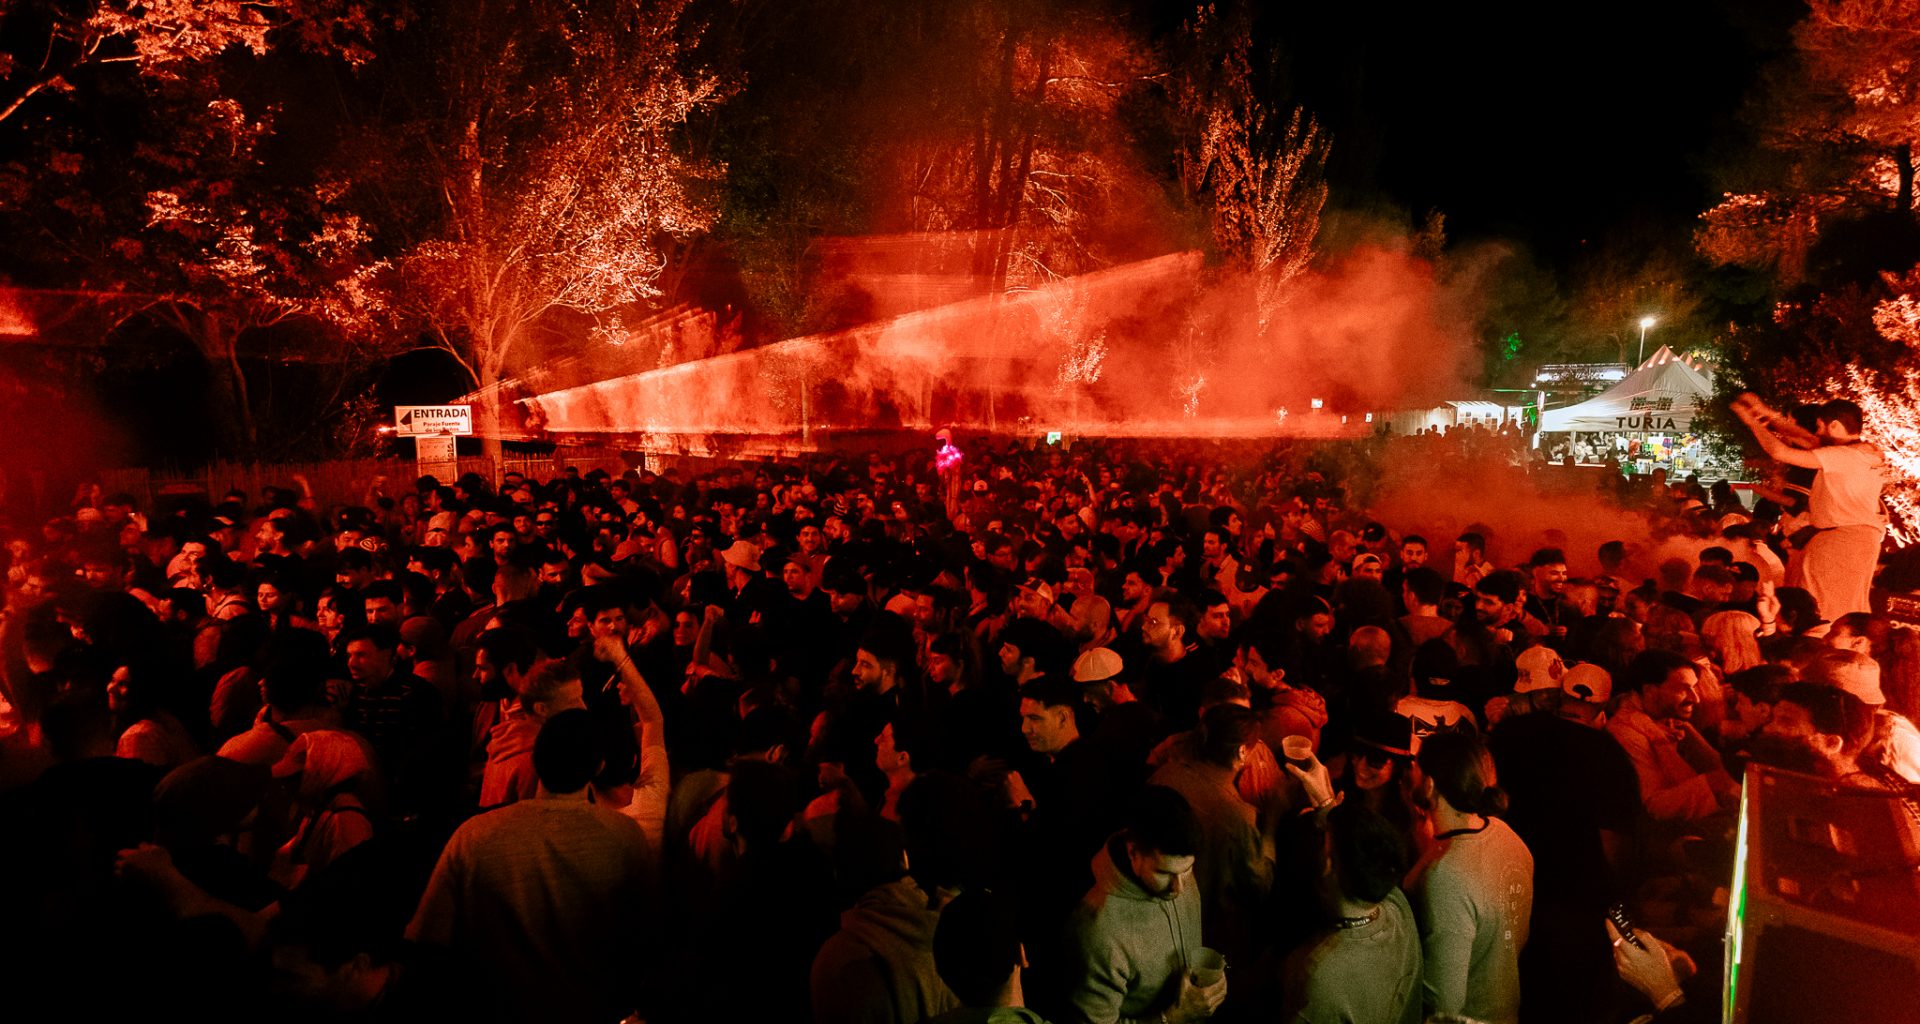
(1143, 733)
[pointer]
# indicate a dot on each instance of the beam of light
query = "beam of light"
(976, 364)
(1163, 347)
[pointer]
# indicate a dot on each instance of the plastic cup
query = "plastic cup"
(1209, 968)
(1298, 751)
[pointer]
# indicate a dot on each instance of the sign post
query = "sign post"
(433, 429)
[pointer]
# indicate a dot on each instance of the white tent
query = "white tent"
(1660, 397)
(1452, 414)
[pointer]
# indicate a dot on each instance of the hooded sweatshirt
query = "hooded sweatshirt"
(1132, 945)
(878, 968)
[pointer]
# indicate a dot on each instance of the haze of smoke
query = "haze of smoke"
(1441, 497)
(1180, 350)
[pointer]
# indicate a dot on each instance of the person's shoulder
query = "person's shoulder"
(1625, 725)
(1502, 836)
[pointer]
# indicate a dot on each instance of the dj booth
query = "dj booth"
(1823, 922)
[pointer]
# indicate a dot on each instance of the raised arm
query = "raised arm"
(1767, 426)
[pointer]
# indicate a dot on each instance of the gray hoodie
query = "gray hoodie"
(1132, 946)
(878, 968)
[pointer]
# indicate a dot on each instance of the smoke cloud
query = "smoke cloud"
(1166, 346)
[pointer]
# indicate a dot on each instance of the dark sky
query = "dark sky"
(1551, 126)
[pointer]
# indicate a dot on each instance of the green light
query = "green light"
(1736, 909)
(1510, 346)
(1053, 437)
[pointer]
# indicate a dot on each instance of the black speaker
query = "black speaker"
(1823, 923)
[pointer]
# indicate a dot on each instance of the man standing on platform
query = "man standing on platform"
(1848, 521)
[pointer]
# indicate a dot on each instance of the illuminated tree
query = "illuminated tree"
(230, 250)
(1889, 396)
(558, 180)
(161, 39)
(1010, 133)
(1256, 171)
(1828, 209)
(1840, 118)
(190, 220)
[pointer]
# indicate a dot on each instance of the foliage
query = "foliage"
(545, 175)
(164, 40)
(1258, 173)
(176, 195)
(1828, 210)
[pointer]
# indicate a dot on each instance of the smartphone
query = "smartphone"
(1618, 915)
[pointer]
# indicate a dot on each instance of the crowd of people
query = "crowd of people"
(1122, 733)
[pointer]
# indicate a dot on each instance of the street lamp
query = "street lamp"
(1645, 322)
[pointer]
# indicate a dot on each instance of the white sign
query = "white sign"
(433, 420)
(438, 448)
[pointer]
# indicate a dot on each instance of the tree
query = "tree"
(161, 39)
(1838, 121)
(1828, 210)
(1257, 173)
(557, 184)
(175, 197)
(1888, 391)
(1018, 140)
(229, 248)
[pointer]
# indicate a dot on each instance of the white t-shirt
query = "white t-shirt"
(1846, 491)
(1430, 716)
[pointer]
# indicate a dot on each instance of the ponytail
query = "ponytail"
(1462, 772)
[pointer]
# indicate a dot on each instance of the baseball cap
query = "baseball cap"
(1363, 559)
(1588, 682)
(1852, 673)
(1540, 669)
(1389, 731)
(1097, 666)
(1038, 586)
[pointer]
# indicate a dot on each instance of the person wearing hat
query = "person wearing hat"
(1367, 566)
(1818, 729)
(1574, 800)
(1097, 671)
(1124, 727)
(1379, 775)
(1033, 599)
(1430, 705)
(1893, 753)
(749, 590)
(1536, 682)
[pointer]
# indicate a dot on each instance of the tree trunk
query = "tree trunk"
(218, 343)
(490, 447)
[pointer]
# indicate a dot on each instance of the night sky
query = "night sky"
(1546, 126)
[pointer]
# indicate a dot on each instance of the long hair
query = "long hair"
(1729, 637)
(1462, 772)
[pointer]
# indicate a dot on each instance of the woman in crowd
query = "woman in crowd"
(1473, 892)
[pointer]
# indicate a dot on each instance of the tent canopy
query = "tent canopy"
(1659, 397)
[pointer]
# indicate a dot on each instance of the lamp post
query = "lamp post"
(1645, 322)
